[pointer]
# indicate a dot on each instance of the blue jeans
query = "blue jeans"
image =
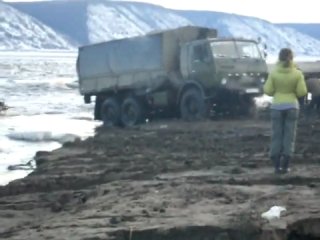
(284, 126)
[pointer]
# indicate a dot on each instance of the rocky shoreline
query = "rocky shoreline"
(167, 180)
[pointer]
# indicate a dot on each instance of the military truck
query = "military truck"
(187, 72)
(310, 69)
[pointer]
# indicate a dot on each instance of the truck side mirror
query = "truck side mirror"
(265, 54)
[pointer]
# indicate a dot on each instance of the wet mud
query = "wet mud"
(168, 180)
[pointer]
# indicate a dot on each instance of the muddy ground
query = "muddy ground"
(168, 180)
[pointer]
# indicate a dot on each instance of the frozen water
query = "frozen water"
(46, 108)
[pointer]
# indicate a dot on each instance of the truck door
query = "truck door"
(201, 67)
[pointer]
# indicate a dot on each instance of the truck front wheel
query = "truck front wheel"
(132, 112)
(110, 112)
(247, 107)
(192, 105)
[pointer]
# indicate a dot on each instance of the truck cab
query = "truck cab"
(230, 71)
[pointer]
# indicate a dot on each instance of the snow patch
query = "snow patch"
(273, 213)
(43, 136)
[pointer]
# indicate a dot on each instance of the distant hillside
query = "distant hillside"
(274, 36)
(311, 29)
(66, 17)
(90, 21)
(98, 20)
(19, 31)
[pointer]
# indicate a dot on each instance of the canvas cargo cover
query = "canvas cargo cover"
(154, 52)
(122, 56)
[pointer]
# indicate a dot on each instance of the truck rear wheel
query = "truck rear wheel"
(132, 112)
(110, 112)
(192, 105)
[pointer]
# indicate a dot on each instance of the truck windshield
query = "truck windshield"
(248, 49)
(224, 49)
(235, 49)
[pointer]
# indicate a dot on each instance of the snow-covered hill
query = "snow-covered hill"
(91, 21)
(273, 35)
(107, 21)
(19, 31)
(129, 19)
(112, 20)
(312, 29)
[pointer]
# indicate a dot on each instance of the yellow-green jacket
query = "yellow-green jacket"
(285, 84)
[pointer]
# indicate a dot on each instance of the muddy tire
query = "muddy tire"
(132, 112)
(110, 112)
(192, 105)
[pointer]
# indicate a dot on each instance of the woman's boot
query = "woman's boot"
(276, 164)
(285, 164)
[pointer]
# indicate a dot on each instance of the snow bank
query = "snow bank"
(43, 136)
(8, 176)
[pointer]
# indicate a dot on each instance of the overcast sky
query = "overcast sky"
(301, 11)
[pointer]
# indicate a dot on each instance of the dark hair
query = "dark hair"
(286, 56)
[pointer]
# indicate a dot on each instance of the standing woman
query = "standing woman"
(286, 84)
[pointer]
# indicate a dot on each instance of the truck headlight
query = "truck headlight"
(262, 80)
(224, 81)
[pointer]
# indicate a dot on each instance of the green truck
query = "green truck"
(186, 72)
